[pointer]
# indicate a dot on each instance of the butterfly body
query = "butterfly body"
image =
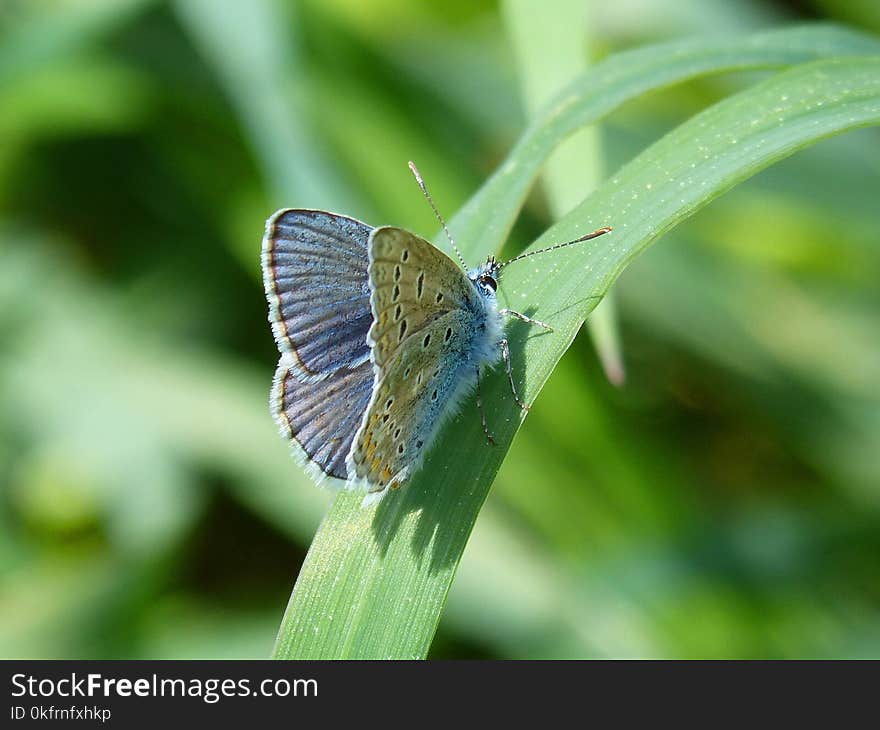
(434, 329)
(381, 337)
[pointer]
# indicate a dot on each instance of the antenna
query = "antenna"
(418, 176)
(595, 234)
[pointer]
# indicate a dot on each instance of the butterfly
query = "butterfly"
(381, 336)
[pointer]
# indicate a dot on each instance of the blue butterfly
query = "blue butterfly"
(381, 337)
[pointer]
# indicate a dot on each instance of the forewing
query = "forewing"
(413, 283)
(421, 343)
(322, 416)
(315, 275)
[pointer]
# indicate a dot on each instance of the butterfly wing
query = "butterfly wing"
(427, 318)
(315, 276)
(322, 416)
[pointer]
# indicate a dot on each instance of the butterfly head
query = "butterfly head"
(485, 277)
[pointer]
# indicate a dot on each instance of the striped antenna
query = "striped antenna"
(595, 234)
(418, 177)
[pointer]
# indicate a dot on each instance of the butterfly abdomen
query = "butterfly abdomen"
(477, 345)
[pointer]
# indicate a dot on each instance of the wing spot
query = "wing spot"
(439, 297)
(385, 418)
(407, 372)
(419, 443)
(420, 284)
(389, 403)
(402, 331)
(396, 433)
(419, 378)
(448, 334)
(397, 312)
(400, 449)
(395, 295)
(434, 395)
(397, 273)
(426, 341)
(405, 255)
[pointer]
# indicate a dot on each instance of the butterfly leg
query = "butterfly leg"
(486, 430)
(524, 318)
(505, 353)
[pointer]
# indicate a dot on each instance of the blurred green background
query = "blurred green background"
(724, 503)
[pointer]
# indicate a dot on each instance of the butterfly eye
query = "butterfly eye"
(488, 282)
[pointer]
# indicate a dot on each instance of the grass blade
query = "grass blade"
(549, 42)
(483, 224)
(375, 581)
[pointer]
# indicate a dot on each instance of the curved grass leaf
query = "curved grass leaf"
(484, 222)
(375, 580)
(548, 42)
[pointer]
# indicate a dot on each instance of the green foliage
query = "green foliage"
(373, 585)
(722, 504)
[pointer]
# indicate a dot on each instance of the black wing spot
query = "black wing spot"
(396, 273)
(404, 256)
(406, 373)
(389, 403)
(395, 295)
(434, 395)
(448, 334)
(426, 341)
(419, 443)
(420, 284)
(439, 297)
(402, 331)
(400, 449)
(385, 418)
(396, 433)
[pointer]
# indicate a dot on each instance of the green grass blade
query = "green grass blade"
(550, 45)
(375, 581)
(483, 224)
(689, 167)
